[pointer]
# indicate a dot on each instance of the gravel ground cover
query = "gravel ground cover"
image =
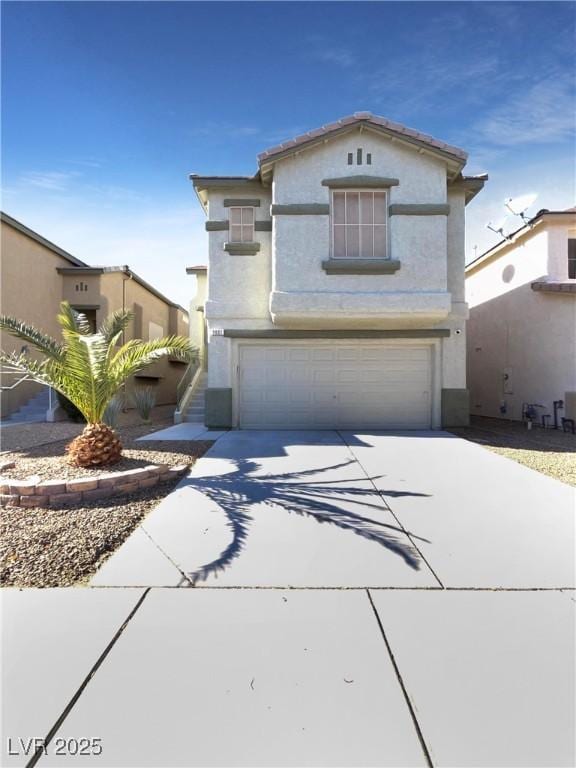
(15, 437)
(551, 452)
(50, 462)
(64, 547)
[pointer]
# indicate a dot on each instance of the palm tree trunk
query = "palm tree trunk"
(97, 446)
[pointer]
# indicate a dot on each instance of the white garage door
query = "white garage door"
(344, 386)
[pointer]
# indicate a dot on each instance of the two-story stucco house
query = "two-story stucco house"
(522, 327)
(336, 282)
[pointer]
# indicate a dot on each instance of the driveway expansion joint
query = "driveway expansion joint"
(99, 661)
(388, 507)
(186, 582)
(402, 685)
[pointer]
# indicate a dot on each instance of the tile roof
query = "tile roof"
(363, 118)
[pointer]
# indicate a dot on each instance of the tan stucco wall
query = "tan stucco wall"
(117, 291)
(31, 289)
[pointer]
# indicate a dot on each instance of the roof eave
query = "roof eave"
(202, 184)
(470, 184)
(120, 269)
(266, 160)
(19, 227)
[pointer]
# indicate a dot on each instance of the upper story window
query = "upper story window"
(241, 225)
(358, 219)
(572, 258)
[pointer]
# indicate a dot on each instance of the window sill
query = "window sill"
(242, 249)
(360, 266)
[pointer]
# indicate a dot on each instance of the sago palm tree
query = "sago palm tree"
(89, 369)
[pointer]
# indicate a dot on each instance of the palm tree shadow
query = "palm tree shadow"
(324, 501)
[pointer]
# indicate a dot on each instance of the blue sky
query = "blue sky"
(107, 106)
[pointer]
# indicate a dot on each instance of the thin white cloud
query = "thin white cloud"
(544, 113)
(57, 181)
(219, 130)
(339, 56)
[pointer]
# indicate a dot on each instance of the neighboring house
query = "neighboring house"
(336, 282)
(37, 275)
(522, 327)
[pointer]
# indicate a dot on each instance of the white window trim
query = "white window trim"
(386, 223)
(242, 226)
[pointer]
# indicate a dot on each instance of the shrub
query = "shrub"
(113, 411)
(144, 399)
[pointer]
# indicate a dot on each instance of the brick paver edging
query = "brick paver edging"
(55, 493)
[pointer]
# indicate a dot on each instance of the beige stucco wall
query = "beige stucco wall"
(252, 292)
(31, 289)
(301, 243)
(529, 336)
(238, 286)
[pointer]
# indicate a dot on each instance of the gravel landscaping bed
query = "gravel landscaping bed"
(16, 437)
(551, 452)
(49, 461)
(64, 546)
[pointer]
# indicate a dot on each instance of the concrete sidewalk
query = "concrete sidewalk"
(267, 677)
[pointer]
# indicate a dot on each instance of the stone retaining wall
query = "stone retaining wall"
(55, 493)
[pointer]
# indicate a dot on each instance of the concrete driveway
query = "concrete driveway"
(329, 509)
(360, 600)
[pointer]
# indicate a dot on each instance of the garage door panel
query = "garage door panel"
(339, 386)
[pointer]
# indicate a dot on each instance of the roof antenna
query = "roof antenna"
(499, 228)
(519, 205)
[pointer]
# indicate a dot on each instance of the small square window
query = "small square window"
(241, 225)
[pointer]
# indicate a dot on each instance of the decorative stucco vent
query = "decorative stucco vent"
(359, 156)
(81, 287)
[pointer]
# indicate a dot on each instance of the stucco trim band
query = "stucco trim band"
(300, 209)
(360, 266)
(369, 182)
(455, 408)
(274, 333)
(222, 225)
(217, 225)
(218, 407)
(242, 249)
(399, 209)
(554, 287)
(248, 202)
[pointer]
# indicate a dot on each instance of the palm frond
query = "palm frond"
(87, 368)
(135, 355)
(40, 341)
(72, 321)
(51, 373)
(113, 326)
